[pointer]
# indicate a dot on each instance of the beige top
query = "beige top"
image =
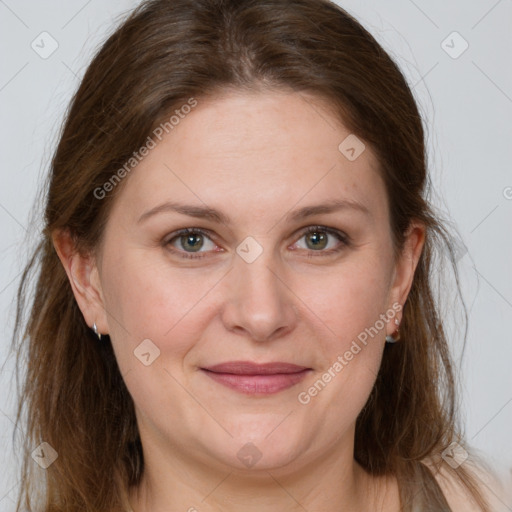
(499, 497)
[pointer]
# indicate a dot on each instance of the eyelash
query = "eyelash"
(342, 237)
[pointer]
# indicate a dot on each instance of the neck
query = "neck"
(174, 481)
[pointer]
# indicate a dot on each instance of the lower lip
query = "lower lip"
(258, 384)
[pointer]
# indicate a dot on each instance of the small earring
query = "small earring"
(95, 329)
(393, 338)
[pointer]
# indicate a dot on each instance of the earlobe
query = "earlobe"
(83, 276)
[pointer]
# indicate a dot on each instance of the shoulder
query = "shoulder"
(494, 485)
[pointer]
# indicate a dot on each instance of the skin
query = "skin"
(256, 157)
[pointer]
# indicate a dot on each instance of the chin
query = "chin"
(264, 450)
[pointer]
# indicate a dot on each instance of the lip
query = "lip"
(256, 378)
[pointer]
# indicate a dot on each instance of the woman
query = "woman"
(234, 305)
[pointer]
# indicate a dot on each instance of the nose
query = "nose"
(260, 304)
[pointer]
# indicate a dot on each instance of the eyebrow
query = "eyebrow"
(205, 212)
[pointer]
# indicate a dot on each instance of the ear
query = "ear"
(83, 275)
(406, 265)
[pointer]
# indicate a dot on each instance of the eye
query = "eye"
(193, 240)
(190, 242)
(319, 238)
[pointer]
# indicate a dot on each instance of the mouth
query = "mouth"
(256, 379)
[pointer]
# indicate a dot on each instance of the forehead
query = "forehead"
(254, 154)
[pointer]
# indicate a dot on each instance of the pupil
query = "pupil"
(190, 240)
(319, 239)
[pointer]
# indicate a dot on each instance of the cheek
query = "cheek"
(146, 298)
(351, 348)
(347, 305)
(348, 299)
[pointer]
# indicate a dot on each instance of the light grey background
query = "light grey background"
(467, 104)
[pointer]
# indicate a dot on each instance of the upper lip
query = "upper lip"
(250, 368)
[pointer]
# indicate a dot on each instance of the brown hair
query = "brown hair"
(164, 53)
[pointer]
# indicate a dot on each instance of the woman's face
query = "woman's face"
(252, 172)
